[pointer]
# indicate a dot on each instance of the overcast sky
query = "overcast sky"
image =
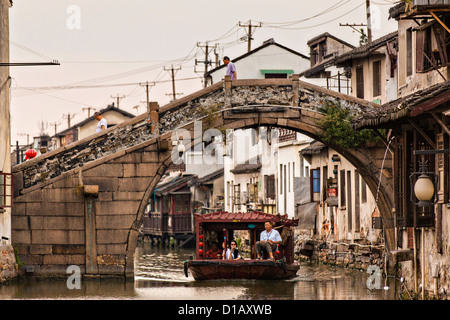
(110, 46)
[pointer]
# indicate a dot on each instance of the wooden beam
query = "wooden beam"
(439, 20)
(422, 133)
(431, 103)
(438, 120)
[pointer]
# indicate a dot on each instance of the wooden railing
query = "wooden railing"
(157, 223)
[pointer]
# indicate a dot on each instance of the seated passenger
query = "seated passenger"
(214, 252)
(232, 253)
(269, 240)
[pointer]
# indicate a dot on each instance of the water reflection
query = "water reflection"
(159, 275)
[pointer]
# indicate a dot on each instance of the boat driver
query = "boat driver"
(268, 241)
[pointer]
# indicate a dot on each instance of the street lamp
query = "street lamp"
(424, 187)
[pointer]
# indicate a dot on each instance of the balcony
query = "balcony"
(429, 2)
(160, 224)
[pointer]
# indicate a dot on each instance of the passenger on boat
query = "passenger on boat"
(232, 253)
(268, 241)
(214, 252)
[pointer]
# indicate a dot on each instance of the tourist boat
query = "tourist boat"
(221, 227)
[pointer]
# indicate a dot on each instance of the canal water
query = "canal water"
(159, 275)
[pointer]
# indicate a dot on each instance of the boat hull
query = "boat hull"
(241, 269)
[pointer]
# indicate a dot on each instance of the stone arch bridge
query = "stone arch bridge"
(83, 204)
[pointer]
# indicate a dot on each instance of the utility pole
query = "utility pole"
(55, 124)
(118, 99)
(205, 47)
(146, 85)
(68, 117)
(89, 110)
(369, 22)
(368, 25)
(27, 135)
(172, 71)
(250, 32)
(364, 37)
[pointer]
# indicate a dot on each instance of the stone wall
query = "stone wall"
(64, 222)
(357, 256)
(8, 265)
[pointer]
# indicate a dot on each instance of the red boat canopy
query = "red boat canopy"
(246, 217)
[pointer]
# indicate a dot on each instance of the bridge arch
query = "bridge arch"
(127, 177)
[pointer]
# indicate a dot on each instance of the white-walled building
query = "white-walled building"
(344, 204)
(323, 72)
(250, 168)
(270, 60)
(292, 171)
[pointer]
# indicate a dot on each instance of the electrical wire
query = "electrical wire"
(320, 24)
(333, 7)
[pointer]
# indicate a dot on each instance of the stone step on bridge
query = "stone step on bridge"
(83, 204)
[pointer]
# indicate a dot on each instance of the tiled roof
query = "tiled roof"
(365, 50)
(255, 216)
(315, 147)
(403, 107)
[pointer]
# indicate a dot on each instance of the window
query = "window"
(360, 82)
(315, 185)
(349, 202)
(376, 78)
(5, 190)
(363, 191)
(408, 52)
(182, 203)
(228, 193)
(269, 181)
(432, 46)
(275, 76)
(324, 182)
(357, 200)
(165, 204)
(302, 165)
(237, 194)
(281, 179)
(342, 187)
(289, 177)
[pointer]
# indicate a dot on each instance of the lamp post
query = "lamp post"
(424, 188)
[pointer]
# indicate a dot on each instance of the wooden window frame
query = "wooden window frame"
(6, 190)
(376, 78)
(360, 82)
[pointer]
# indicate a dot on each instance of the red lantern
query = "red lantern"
(277, 252)
(200, 244)
(31, 153)
(200, 251)
(201, 236)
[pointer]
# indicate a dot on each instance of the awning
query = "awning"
(272, 71)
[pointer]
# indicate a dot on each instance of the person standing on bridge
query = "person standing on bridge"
(102, 124)
(231, 68)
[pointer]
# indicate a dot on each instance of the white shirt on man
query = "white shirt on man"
(101, 123)
(273, 235)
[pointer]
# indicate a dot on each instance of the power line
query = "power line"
(316, 25)
(56, 88)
